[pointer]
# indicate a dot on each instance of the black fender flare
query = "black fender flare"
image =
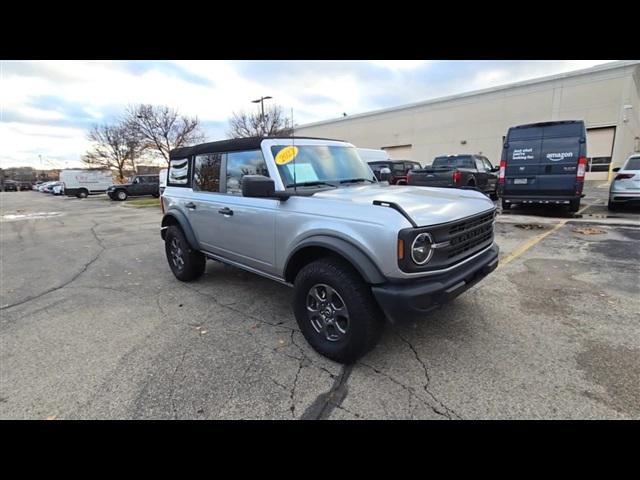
(360, 261)
(182, 220)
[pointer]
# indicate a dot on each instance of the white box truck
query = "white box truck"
(163, 179)
(84, 182)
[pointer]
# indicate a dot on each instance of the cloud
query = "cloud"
(46, 107)
(400, 64)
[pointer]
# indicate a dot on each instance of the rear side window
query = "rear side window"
(240, 164)
(453, 162)
(178, 174)
(480, 165)
(206, 172)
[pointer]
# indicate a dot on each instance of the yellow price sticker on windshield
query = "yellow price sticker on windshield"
(285, 155)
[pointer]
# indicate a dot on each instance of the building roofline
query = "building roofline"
(523, 83)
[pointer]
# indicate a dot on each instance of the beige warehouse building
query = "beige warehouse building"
(606, 97)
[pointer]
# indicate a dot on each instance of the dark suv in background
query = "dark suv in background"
(399, 169)
(544, 163)
(140, 185)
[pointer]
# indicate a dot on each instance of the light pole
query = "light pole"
(261, 102)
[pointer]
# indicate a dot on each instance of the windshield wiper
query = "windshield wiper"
(356, 180)
(309, 184)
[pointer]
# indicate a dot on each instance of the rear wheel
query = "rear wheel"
(82, 193)
(186, 263)
(336, 311)
(574, 205)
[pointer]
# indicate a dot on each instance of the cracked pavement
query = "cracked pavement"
(94, 325)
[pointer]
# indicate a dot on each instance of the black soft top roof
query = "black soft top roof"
(232, 145)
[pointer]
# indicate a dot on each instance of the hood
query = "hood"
(425, 205)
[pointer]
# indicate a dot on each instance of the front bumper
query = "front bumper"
(411, 300)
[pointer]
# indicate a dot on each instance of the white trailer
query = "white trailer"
(84, 182)
(163, 179)
(372, 154)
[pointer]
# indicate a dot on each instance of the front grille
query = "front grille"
(455, 241)
(466, 236)
(470, 223)
(469, 245)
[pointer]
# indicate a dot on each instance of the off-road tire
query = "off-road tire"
(366, 320)
(194, 262)
(121, 195)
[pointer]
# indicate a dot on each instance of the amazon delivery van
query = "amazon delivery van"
(84, 182)
(544, 163)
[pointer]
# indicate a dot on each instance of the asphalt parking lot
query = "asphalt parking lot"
(94, 325)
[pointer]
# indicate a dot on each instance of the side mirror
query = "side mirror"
(617, 169)
(259, 186)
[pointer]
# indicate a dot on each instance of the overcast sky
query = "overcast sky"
(47, 107)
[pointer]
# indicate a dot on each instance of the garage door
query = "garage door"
(399, 152)
(599, 151)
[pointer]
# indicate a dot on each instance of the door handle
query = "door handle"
(190, 206)
(225, 211)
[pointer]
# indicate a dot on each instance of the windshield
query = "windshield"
(319, 164)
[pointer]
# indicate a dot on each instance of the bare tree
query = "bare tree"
(162, 128)
(115, 147)
(274, 123)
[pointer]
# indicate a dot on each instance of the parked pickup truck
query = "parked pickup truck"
(309, 213)
(457, 171)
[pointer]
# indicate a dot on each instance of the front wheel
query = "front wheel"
(336, 311)
(121, 195)
(186, 263)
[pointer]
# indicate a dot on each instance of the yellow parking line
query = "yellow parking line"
(532, 241)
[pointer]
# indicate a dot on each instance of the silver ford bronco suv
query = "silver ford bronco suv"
(309, 213)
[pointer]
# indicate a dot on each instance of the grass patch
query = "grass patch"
(142, 202)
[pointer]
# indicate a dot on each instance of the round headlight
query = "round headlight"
(421, 249)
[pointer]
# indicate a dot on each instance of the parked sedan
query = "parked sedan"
(45, 187)
(625, 187)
